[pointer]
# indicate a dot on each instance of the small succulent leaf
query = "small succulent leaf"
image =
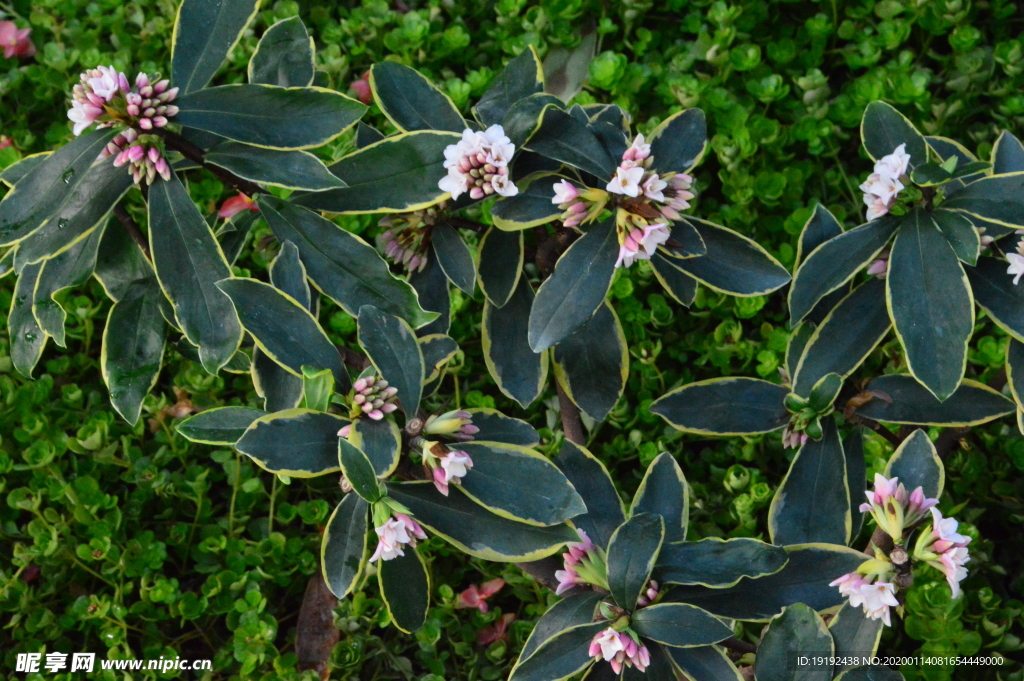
(273, 167)
(679, 625)
(997, 295)
(995, 198)
(72, 267)
(883, 128)
(405, 588)
(818, 229)
(705, 663)
(632, 553)
(284, 329)
(565, 69)
(343, 548)
(270, 116)
(189, 263)
(497, 427)
(725, 406)
(380, 441)
(341, 264)
(473, 529)
(530, 208)
(81, 214)
(679, 142)
(395, 175)
(717, 563)
(844, 339)
(44, 188)
(204, 34)
(133, 348)
(391, 345)
(835, 262)
(797, 631)
(410, 101)
(559, 657)
(971, 404)
(963, 238)
(1007, 154)
(576, 288)
(283, 56)
(561, 137)
(501, 263)
(804, 579)
(590, 478)
(677, 283)
(592, 363)
(917, 464)
(854, 634)
(663, 491)
(521, 77)
(813, 502)
(519, 372)
(571, 611)
(856, 474)
(520, 484)
(931, 304)
(219, 426)
(438, 349)
(298, 443)
(454, 256)
(733, 264)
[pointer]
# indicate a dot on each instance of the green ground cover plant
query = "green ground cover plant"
(654, 312)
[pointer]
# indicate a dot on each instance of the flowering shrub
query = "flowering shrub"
(553, 208)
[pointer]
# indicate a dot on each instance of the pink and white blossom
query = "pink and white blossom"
(653, 188)
(478, 165)
(565, 192)
(640, 244)
(885, 183)
(1016, 267)
(626, 181)
(394, 534)
(619, 649)
(874, 597)
(638, 151)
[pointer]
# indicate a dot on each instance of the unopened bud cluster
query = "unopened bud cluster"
(584, 564)
(372, 397)
(140, 153)
(457, 425)
(406, 238)
(478, 165)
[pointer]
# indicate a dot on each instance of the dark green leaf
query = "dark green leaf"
(563, 138)
(521, 122)
(930, 303)
(835, 262)
(678, 144)
(679, 624)
(397, 174)
(705, 663)
(963, 238)
(298, 443)
(343, 548)
(733, 264)
(392, 347)
(521, 77)
(592, 363)
(288, 274)
(120, 263)
(798, 631)
(189, 263)
(632, 553)
(204, 33)
(883, 128)
(431, 288)
(12, 174)
(341, 264)
(279, 387)
(690, 243)
(930, 175)
(454, 257)
(438, 349)
(412, 102)
(805, 579)
(496, 427)
(854, 634)
(560, 656)
(1007, 154)
(663, 492)
(573, 611)
(270, 116)
(27, 339)
(530, 208)
(72, 267)
(590, 478)
(288, 169)
(284, 55)
(998, 198)
(380, 441)
(725, 406)
(818, 229)
(997, 295)
(717, 563)
(358, 470)
(565, 69)
(501, 262)
(824, 392)
(367, 135)
(473, 529)
(219, 426)
(576, 288)
(235, 233)
(520, 484)
(856, 474)
(971, 404)
(405, 587)
(916, 463)
(519, 372)
(678, 284)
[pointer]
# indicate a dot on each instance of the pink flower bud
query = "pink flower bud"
(440, 481)
(376, 414)
(145, 124)
(388, 407)
(136, 152)
(163, 169)
(162, 85)
(159, 121)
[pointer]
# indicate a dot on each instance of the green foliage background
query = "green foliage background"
(136, 542)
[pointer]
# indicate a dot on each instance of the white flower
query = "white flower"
(883, 185)
(456, 464)
(638, 150)
(654, 236)
(455, 183)
(565, 192)
(945, 529)
(876, 207)
(653, 188)
(607, 644)
(504, 186)
(895, 164)
(83, 115)
(951, 564)
(104, 82)
(877, 599)
(478, 164)
(626, 181)
(393, 536)
(1016, 265)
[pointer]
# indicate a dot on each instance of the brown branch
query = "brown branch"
(738, 645)
(353, 358)
(132, 228)
(572, 426)
(464, 223)
(197, 155)
(894, 439)
(949, 440)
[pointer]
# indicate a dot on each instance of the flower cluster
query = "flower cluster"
(792, 438)
(478, 164)
(584, 564)
(445, 466)
(580, 207)
(620, 648)
(942, 547)
(371, 397)
(104, 97)
(457, 425)
(879, 267)
(1016, 261)
(141, 153)
(394, 534)
(406, 239)
(650, 594)
(885, 183)
(869, 592)
(235, 205)
(15, 41)
(893, 509)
